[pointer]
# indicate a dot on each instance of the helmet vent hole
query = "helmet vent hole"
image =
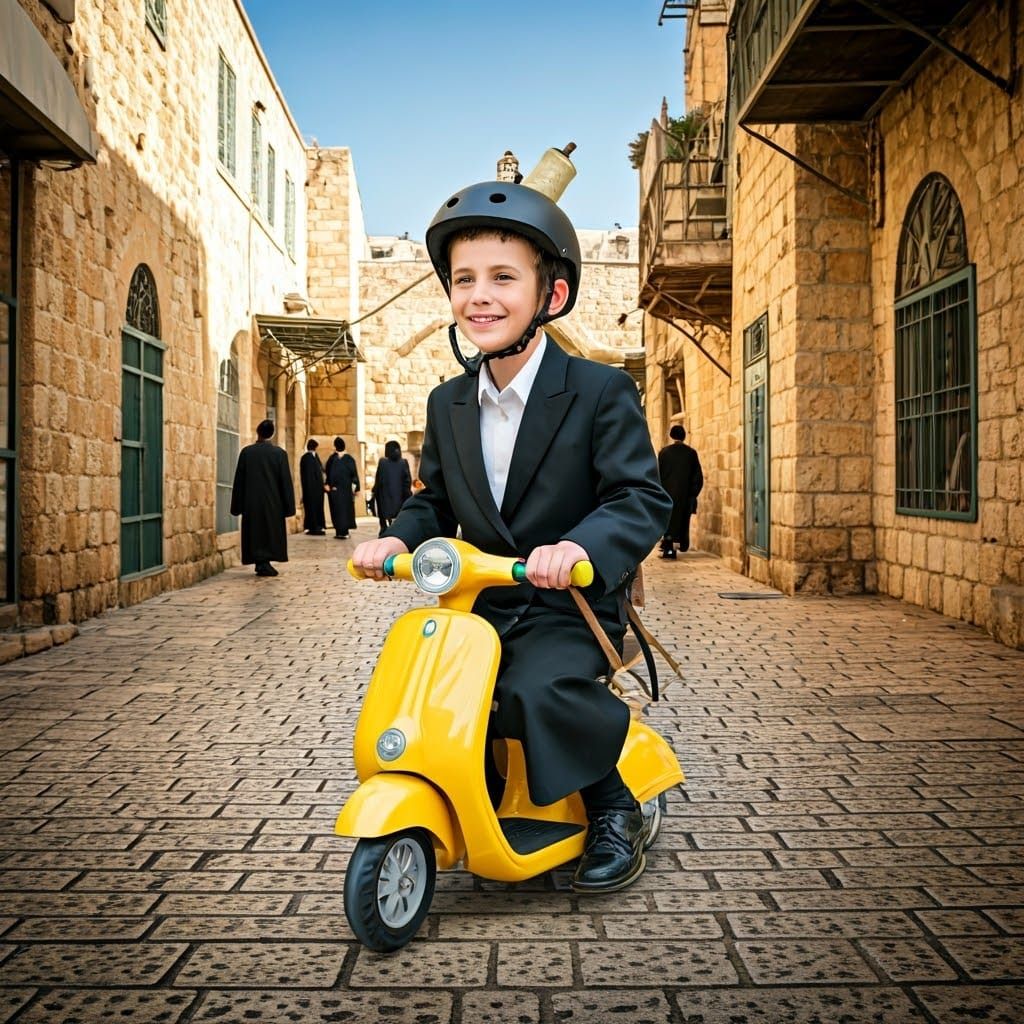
(451, 202)
(498, 197)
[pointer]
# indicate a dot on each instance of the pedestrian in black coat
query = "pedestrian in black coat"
(392, 484)
(681, 475)
(264, 496)
(342, 487)
(311, 476)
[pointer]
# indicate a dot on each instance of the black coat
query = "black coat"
(311, 476)
(583, 469)
(264, 496)
(682, 477)
(343, 480)
(391, 486)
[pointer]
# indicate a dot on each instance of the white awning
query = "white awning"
(41, 117)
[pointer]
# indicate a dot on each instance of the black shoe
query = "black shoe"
(668, 554)
(265, 569)
(315, 533)
(614, 854)
(341, 536)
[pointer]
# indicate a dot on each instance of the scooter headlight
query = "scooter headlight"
(435, 567)
(391, 744)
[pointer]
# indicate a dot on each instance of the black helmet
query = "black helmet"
(506, 207)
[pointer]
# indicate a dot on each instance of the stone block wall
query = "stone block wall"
(952, 121)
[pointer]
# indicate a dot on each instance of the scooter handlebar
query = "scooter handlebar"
(582, 574)
(394, 565)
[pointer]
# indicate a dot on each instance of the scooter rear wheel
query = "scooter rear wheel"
(388, 888)
(653, 812)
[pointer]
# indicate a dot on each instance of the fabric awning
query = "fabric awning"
(310, 340)
(41, 117)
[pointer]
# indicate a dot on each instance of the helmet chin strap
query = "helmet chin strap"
(473, 364)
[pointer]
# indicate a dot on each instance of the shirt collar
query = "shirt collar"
(520, 385)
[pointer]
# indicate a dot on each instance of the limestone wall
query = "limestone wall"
(155, 196)
(952, 121)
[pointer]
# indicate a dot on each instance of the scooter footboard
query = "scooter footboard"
(395, 801)
(647, 763)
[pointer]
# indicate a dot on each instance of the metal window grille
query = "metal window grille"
(225, 114)
(289, 214)
(156, 19)
(256, 179)
(756, 438)
(936, 399)
(271, 179)
(227, 441)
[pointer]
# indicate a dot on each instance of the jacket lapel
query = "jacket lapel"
(464, 414)
(546, 407)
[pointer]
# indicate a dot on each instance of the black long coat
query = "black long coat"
(682, 477)
(583, 469)
(392, 484)
(264, 496)
(311, 476)
(343, 480)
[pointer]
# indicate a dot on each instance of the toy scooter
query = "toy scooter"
(423, 802)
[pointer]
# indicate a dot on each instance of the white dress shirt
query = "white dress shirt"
(501, 413)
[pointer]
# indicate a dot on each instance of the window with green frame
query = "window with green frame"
(936, 344)
(227, 439)
(225, 113)
(256, 182)
(289, 214)
(271, 181)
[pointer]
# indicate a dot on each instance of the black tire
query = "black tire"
(383, 921)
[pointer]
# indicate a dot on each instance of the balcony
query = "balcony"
(814, 61)
(685, 250)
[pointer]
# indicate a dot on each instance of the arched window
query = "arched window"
(227, 438)
(142, 428)
(936, 357)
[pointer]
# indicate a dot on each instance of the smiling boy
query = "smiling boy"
(534, 452)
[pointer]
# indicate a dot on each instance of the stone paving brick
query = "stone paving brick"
(958, 922)
(637, 1006)
(12, 1000)
(825, 961)
(543, 963)
(91, 963)
(262, 965)
(525, 926)
(307, 927)
(967, 1004)
(988, 959)
(93, 1007)
(797, 1006)
(276, 1007)
(605, 964)
(424, 964)
(78, 904)
(500, 1008)
(81, 929)
(904, 960)
(844, 924)
(667, 926)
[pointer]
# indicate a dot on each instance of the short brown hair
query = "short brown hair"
(548, 268)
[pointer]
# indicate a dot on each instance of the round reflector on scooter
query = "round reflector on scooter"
(391, 744)
(435, 566)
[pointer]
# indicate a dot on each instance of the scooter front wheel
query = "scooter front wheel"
(388, 888)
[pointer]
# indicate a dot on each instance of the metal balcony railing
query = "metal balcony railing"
(760, 27)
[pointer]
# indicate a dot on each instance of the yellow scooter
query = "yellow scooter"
(422, 802)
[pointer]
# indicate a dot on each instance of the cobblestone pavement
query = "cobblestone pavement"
(848, 847)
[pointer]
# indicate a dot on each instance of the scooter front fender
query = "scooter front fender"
(393, 801)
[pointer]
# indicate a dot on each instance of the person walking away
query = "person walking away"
(535, 452)
(264, 496)
(311, 477)
(342, 487)
(681, 475)
(392, 484)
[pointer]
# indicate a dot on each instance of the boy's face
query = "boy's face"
(495, 290)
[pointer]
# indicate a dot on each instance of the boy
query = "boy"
(534, 452)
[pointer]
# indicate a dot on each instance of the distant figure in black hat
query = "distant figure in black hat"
(392, 484)
(342, 488)
(683, 478)
(264, 496)
(311, 476)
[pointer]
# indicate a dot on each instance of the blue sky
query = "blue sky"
(429, 94)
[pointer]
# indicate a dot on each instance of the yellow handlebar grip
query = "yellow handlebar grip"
(582, 574)
(354, 572)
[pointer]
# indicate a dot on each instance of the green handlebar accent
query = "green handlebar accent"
(519, 572)
(389, 565)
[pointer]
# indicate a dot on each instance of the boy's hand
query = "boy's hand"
(549, 566)
(369, 556)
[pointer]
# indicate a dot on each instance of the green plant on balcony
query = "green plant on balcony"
(681, 133)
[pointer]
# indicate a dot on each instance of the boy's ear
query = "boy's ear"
(559, 296)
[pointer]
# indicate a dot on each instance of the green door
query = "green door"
(142, 453)
(755, 437)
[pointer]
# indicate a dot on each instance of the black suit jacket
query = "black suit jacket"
(583, 469)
